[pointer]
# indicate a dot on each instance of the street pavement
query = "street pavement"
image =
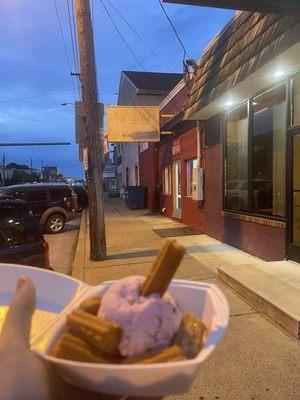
(62, 247)
(255, 360)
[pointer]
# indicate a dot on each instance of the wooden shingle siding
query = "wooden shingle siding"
(249, 42)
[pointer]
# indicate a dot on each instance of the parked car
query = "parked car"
(82, 197)
(52, 204)
(21, 238)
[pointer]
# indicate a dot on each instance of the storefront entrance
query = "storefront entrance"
(294, 198)
(177, 189)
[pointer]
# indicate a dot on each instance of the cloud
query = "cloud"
(33, 60)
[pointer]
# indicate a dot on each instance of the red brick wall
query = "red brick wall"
(248, 236)
(192, 215)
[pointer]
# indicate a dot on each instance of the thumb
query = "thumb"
(16, 328)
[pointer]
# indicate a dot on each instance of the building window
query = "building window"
(136, 175)
(127, 176)
(255, 177)
(296, 100)
(236, 171)
(268, 152)
(167, 180)
(144, 146)
(190, 165)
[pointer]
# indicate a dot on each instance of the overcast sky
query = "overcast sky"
(33, 62)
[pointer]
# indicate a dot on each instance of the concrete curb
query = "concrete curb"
(275, 313)
(79, 259)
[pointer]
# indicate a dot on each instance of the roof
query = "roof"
(247, 43)
(153, 81)
(276, 6)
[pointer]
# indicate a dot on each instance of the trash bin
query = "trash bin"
(135, 196)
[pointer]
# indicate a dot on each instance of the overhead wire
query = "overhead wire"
(64, 43)
(139, 36)
(74, 49)
(174, 29)
(32, 116)
(35, 95)
(121, 36)
(47, 94)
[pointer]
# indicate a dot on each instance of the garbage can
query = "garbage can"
(135, 196)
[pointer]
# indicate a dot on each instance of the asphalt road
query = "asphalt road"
(62, 247)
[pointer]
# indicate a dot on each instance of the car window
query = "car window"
(37, 195)
(17, 227)
(59, 193)
(17, 194)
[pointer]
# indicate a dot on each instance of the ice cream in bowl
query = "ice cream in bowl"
(140, 336)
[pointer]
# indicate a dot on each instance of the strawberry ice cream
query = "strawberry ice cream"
(147, 322)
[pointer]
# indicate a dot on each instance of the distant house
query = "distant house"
(50, 174)
(139, 89)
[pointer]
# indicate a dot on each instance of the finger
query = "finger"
(16, 328)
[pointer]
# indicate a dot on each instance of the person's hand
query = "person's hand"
(23, 376)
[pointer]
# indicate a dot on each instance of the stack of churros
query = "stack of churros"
(90, 338)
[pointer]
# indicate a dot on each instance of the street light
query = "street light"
(67, 104)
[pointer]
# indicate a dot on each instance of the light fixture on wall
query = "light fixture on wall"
(278, 73)
(229, 103)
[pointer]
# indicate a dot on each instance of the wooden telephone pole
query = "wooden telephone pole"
(92, 128)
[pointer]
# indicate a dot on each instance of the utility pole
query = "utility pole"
(92, 128)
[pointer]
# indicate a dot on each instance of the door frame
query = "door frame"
(176, 211)
(292, 252)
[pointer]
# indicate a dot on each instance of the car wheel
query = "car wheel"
(55, 224)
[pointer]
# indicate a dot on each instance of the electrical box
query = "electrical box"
(197, 184)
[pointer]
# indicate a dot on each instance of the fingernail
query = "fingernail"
(21, 282)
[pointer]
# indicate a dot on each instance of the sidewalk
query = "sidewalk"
(255, 360)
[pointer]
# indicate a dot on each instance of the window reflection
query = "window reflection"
(236, 187)
(268, 152)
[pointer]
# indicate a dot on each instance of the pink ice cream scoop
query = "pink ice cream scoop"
(147, 322)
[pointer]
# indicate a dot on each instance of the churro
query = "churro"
(163, 269)
(190, 335)
(172, 353)
(99, 333)
(71, 347)
(91, 305)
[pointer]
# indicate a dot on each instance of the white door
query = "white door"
(177, 188)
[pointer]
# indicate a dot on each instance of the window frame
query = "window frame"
(289, 118)
(187, 186)
(169, 193)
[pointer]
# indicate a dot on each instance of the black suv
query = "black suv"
(21, 238)
(52, 204)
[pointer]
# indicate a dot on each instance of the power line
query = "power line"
(174, 29)
(139, 36)
(74, 32)
(34, 96)
(71, 35)
(74, 46)
(64, 42)
(31, 116)
(122, 37)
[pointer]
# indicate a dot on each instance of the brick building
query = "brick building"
(239, 121)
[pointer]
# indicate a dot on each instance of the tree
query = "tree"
(19, 177)
(17, 166)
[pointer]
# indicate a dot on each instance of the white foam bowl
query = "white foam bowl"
(204, 300)
(54, 292)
